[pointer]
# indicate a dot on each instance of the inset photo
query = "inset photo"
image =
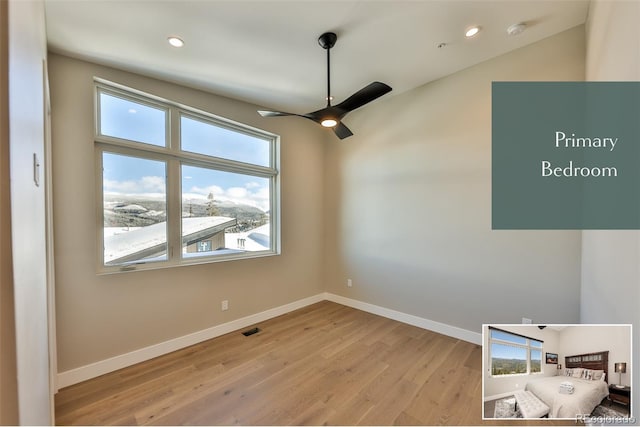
(577, 372)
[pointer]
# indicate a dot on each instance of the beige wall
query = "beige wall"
(611, 259)
(100, 316)
(613, 41)
(408, 204)
(8, 386)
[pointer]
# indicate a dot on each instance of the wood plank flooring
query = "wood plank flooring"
(323, 364)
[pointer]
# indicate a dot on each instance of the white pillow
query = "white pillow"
(568, 372)
(597, 374)
(577, 372)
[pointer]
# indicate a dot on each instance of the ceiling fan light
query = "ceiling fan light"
(329, 122)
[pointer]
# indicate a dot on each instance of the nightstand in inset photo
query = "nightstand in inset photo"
(620, 395)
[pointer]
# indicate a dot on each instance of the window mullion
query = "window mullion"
(99, 206)
(174, 190)
(227, 165)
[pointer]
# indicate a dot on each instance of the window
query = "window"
(181, 186)
(513, 354)
(204, 246)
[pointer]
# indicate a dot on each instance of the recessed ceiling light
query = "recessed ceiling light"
(175, 41)
(471, 31)
(516, 29)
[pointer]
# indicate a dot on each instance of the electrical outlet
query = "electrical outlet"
(526, 321)
(349, 283)
(225, 305)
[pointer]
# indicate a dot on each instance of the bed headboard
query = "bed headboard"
(599, 360)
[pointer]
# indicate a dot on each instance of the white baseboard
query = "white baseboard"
(102, 367)
(441, 328)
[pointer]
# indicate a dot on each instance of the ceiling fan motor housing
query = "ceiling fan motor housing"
(327, 40)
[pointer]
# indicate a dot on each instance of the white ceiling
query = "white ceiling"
(266, 52)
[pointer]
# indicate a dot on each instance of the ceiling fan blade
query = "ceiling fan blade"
(342, 131)
(275, 113)
(364, 96)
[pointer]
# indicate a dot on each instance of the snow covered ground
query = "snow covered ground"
(123, 241)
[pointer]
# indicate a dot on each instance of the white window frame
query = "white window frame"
(175, 158)
(527, 347)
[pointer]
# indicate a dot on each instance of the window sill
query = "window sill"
(517, 375)
(185, 262)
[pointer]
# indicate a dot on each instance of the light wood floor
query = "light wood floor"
(323, 364)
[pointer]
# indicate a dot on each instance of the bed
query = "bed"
(587, 392)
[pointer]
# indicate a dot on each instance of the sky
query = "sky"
(503, 351)
(499, 351)
(129, 175)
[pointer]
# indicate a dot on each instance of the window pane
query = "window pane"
(224, 212)
(507, 360)
(505, 336)
(134, 202)
(206, 138)
(536, 344)
(121, 118)
(536, 361)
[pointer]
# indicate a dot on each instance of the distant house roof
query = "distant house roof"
(152, 240)
(257, 239)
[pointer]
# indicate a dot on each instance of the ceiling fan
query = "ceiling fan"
(331, 116)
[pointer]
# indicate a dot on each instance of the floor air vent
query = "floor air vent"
(251, 332)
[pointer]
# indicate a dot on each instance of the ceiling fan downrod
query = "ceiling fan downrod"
(327, 41)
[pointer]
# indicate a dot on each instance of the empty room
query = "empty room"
(280, 212)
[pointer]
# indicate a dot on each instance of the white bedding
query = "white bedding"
(586, 396)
